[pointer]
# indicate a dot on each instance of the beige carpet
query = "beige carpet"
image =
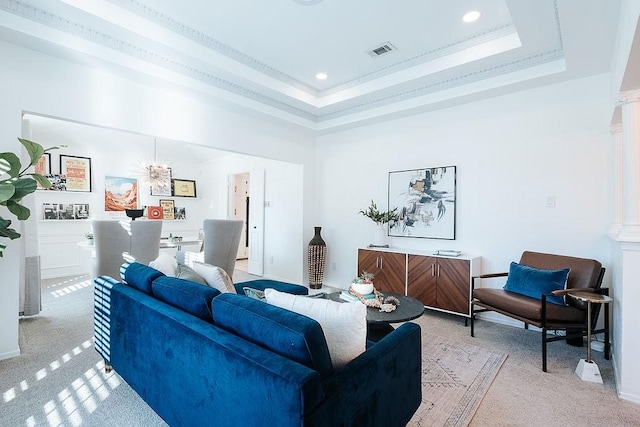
(455, 378)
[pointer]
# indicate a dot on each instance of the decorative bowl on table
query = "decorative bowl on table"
(134, 213)
(362, 288)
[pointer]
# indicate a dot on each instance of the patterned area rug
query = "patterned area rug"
(455, 378)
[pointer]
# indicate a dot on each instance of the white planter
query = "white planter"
(362, 288)
(380, 236)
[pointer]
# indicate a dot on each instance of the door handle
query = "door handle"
(438, 270)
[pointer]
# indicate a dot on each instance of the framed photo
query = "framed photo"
(120, 193)
(43, 167)
(77, 171)
(168, 209)
(58, 182)
(154, 212)
(183, 188)
(181, 212)
(65, 211)
(161, 185)
(426, 202)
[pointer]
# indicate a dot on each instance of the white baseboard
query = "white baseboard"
(10, 354)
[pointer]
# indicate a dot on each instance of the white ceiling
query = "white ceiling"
(264, 55)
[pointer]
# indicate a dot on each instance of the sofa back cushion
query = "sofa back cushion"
(191, 297)
(139, 276)
(288, 334)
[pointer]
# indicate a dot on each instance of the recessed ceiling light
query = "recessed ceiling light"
(307, 2)
(471, 16)
(321, 76)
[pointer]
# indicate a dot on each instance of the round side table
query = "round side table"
(587, 369)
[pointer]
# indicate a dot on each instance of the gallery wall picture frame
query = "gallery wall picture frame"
(65, 211)
(43, 167)
(120, 193)
(168, 209)
(77, 171)
(426, 202)
(161, 183)
(183, 188)
(154, 212)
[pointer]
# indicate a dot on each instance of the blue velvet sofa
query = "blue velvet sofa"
(198, 357)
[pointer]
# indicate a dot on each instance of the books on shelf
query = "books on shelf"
(447, 252)
(346, 296)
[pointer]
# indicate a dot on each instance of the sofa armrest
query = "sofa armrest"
(485, 276)
(366, 390)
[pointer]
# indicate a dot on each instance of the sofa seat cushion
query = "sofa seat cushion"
(263, 284)
(526, 307)
(288, 334)
(139, 276)
(344, 324)
(191, 297)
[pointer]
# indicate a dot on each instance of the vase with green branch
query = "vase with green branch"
(380, 218)
(16, 183)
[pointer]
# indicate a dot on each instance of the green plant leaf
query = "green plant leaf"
(34, 150)
(24, 187)
(42, 180)
(6, 191)
(21, 212)
(10, 164)
(5, 231)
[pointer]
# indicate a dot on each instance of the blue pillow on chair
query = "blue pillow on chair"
(533, 282)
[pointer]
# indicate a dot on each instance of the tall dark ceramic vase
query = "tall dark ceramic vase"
(317, 260)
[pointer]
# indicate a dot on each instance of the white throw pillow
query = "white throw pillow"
(166, 264)
(215, 277)
(344, 324)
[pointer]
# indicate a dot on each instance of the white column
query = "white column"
(616, 179)
(626, 259)
(630, 103)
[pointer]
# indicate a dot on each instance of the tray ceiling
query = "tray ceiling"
(264, 55)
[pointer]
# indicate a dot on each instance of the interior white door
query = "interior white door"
(256, 222)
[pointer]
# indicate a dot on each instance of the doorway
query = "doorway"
(240, 210)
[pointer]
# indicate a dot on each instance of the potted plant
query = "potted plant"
(89, 236)
(380, 218)
(16, 183)
(363, 284)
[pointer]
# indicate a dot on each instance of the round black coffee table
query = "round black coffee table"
(379, 322)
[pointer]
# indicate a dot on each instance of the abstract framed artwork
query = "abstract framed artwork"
(77, 171)
(183, 188)
(426, 202)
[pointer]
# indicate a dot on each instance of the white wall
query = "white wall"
(284, 247)
(34, 82)
(511, 152)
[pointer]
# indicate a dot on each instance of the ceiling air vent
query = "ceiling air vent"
(381, 50)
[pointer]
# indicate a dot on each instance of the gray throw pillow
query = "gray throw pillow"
(187, 273)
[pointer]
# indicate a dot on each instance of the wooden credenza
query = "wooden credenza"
(439, 282)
